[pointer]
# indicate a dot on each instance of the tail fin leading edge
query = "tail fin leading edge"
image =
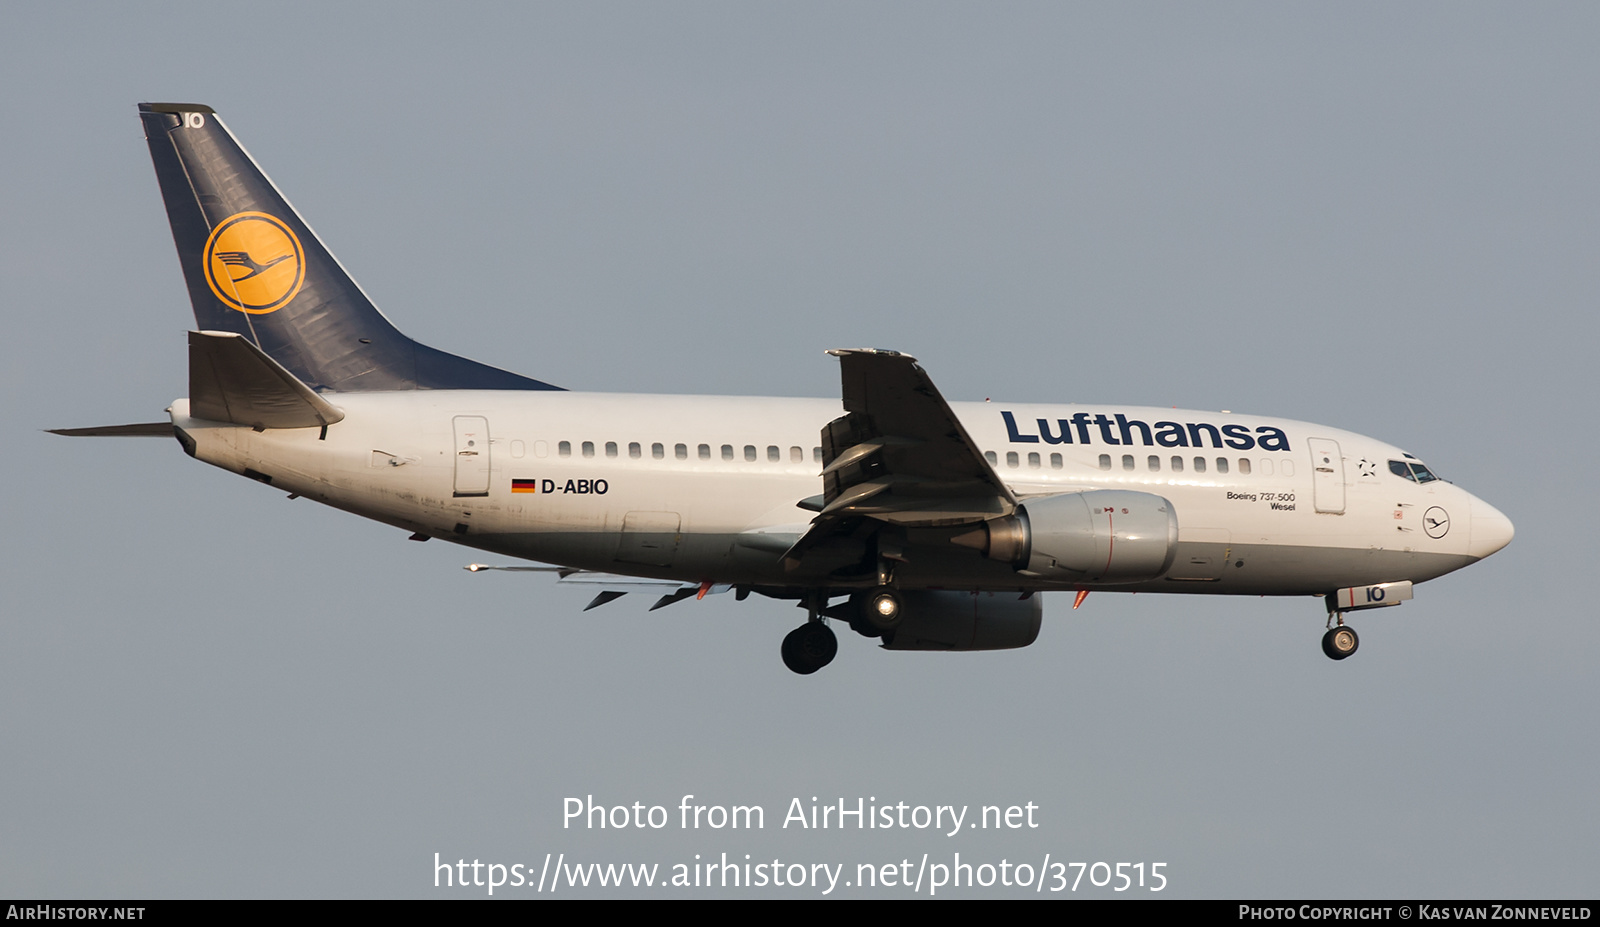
(256, 269)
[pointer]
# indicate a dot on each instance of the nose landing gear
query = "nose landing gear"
(1340, 641)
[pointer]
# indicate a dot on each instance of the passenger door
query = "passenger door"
(1327, 475)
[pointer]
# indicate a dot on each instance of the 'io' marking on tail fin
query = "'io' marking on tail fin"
(267, 250)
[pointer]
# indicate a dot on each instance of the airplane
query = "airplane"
(920, 523)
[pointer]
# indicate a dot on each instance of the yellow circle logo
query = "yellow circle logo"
(254, 263)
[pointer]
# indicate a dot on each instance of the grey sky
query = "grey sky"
(1377, 217)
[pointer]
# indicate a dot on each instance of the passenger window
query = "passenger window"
(1011, 458)
(993, 460)
(1105, 461)
(705, 452)
(680, 451)
(1288, 468)
(1264, 466)
(1199, 465)
(749, 452)
(1177, 465)
(588, 448)
(1127, 461)
(1033, 459)
(1222, 465)
(541, 449)
(518, 449)
(564, 449)
(611, 448)
(796, 455)
(1055, 461)
(634, 450)
(1154, 463)
(727, 452)
(772, 453)
(816, 454)
(1244, 466)
(657, 451)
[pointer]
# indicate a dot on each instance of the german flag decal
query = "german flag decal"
(524, 485)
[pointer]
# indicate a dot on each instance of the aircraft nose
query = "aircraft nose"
(1490, 530)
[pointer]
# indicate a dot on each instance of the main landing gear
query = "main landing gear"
(809, 648)
(813, 645)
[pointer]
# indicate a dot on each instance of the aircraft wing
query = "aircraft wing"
(898, 455)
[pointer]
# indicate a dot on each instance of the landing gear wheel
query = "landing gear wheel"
(809, 648)
(883, 609)
(1340, 642)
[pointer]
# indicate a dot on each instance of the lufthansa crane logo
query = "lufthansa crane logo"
(253, 262)
(1436, 522)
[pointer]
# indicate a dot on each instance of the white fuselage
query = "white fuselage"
(703, 488)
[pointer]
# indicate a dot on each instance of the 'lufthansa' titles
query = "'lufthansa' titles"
(1119, 430)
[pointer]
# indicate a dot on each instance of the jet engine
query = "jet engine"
(936, 619)
(1101, 536)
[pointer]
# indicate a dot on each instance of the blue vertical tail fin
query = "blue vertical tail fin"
(256, 269)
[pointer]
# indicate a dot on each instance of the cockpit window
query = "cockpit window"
(1414, 470)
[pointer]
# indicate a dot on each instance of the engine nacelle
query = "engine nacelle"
(937, 619)
(1101, 536)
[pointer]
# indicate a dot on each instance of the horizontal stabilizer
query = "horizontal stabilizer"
(141, 430)
(615, 585)
(231, 380)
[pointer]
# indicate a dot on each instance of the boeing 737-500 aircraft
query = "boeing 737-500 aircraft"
(924, 524)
